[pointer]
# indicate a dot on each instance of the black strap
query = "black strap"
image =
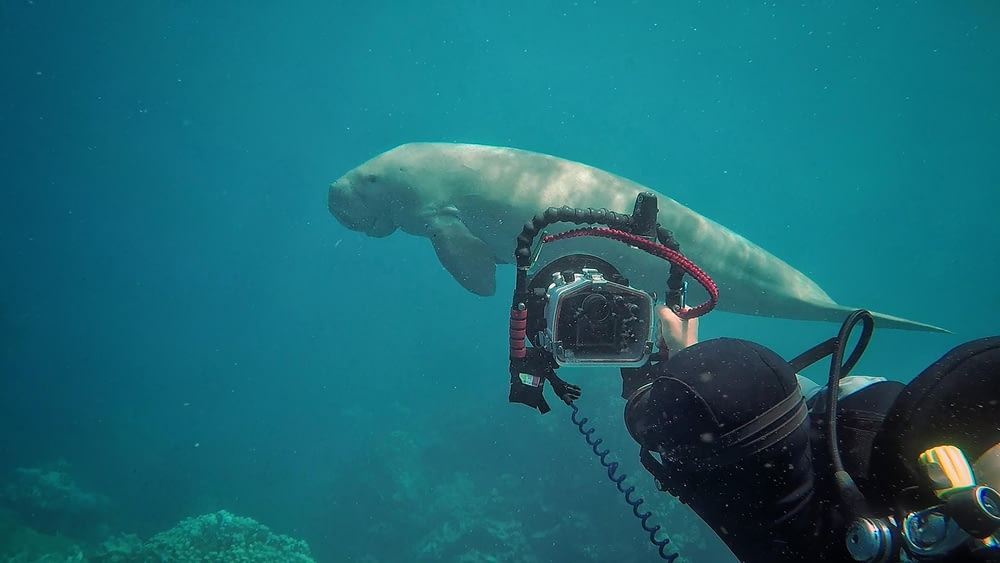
(829, 346)
(792, 408)
(813, 355)
(762, 432)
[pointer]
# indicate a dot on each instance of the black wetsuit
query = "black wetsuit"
(735, 442)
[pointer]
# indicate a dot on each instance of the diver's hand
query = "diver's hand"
(565, 391)
(676, 333)
(529, 395)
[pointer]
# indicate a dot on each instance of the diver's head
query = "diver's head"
(729, 423)
(706, 391)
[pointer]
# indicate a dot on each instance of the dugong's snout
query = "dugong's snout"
(358, 211)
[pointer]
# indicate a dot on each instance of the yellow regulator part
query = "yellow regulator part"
(948, 470)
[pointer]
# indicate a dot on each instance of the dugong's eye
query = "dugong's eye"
(371, 178)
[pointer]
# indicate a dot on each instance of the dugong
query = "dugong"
(471, 201)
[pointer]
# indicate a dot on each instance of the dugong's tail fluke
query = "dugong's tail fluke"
(889, 321)
(836, 313)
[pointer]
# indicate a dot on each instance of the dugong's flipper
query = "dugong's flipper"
(466, 257)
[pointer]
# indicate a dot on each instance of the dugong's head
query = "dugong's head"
(362, 200)
(392, 190)
(412, 188)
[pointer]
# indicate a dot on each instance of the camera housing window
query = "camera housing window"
(593, 321)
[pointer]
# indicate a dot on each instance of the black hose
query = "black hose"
(846, 487)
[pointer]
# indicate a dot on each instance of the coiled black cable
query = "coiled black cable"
(617, 478)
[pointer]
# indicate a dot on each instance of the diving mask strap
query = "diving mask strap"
(760, 433)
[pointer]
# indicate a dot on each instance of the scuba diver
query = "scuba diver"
(782, 469)
(741, 439)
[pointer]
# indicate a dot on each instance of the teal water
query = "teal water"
(186, 326)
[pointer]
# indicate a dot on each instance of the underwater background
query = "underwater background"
(190, 344)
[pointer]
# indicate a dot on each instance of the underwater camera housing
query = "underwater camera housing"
(586, 314)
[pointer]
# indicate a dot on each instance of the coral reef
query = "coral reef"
(122, 548)
(49, 500)
(430, 505)
(20, 544)
(219, 536)
(417, 499)
(464, 517)
(48, 517)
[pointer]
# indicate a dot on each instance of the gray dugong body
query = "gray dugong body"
(471, 201)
